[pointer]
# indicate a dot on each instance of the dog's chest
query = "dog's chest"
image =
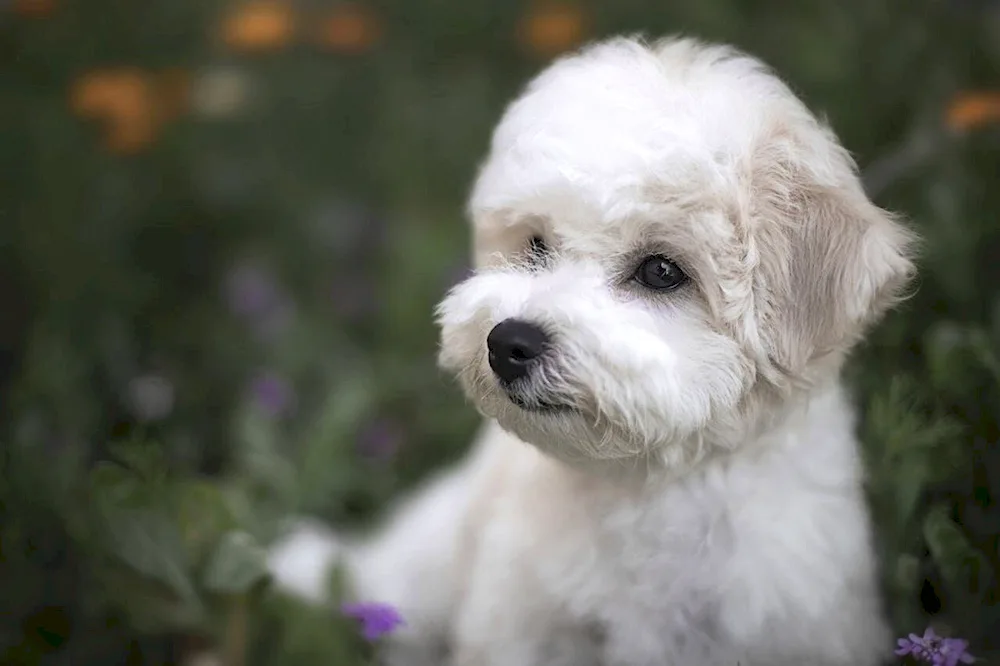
(695, 569)
(661, 572)
(694, 572)
(651, 585)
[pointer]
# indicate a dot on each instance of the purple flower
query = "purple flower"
(376, 619)
(272, 394)
(380, 440)
(932, 649)
(252, 293)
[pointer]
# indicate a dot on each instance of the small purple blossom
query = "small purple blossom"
(380, 440)
(272, 394)
(376, 619)
(252, 293)
(935, 650)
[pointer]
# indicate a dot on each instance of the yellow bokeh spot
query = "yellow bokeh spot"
(350, 28)
(259, 26)
(552, 28)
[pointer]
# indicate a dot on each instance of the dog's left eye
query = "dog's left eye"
(537, 249)
(659, 273)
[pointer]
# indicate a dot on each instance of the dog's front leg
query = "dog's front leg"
(507, 619)
(486, 641)
(410, 563)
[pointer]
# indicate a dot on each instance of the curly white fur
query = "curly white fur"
(699, 501)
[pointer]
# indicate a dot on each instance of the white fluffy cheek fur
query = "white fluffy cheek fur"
(645, 372)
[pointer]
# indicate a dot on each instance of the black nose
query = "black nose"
(514, 346)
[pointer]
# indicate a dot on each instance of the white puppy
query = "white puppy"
(674, 258)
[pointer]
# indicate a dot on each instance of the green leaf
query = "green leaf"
(237, 565)
(908, 449)
(203, 515)
(965, 570)
(337, 583)
(258, 457)
(906, 577)
(946, 355)
(908, 484)
(324, 465)
(112, 484)
(307, 634)
(149, 543)
(150, 606)
(985, 351)
(145, 458)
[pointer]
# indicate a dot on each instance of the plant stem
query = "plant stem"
(235, 646)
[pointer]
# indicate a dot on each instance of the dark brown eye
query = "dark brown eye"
(537, 249)
(659, 273)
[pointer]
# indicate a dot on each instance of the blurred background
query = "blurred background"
(224, 225)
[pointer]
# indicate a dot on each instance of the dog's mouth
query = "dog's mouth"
(538, 405)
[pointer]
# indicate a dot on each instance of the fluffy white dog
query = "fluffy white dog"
(674, 258)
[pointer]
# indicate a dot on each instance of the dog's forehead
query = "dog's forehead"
(603, 123)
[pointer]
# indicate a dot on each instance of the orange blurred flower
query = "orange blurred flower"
(553, 27)
(350, 28)
(971, 110)
(34, 8)
(132, 104)
(259, 26)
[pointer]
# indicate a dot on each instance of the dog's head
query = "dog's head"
(669, 247)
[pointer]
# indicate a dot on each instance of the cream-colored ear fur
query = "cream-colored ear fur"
(849, 262)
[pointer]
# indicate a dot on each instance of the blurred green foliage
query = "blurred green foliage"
(222, 318)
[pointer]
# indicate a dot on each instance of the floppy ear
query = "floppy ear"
(849, 263)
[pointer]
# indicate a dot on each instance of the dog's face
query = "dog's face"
(669, 248)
